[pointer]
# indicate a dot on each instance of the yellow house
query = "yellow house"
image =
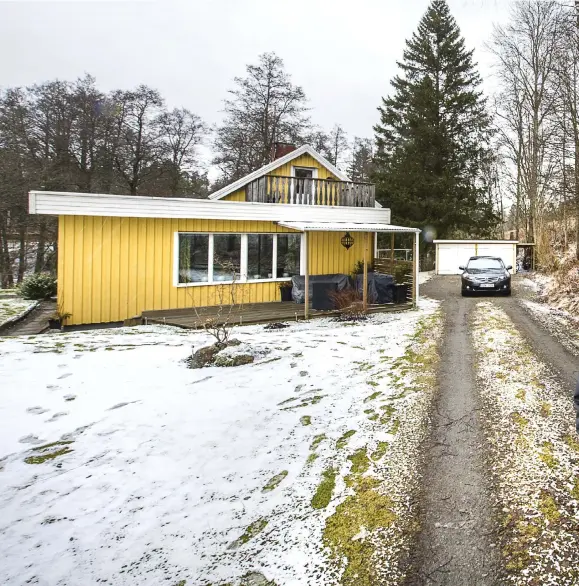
(119, 255)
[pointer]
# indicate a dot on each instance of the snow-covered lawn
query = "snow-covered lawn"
(529, 422)
(11, 309)
(119, 465)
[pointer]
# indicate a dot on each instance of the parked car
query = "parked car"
(485, 274)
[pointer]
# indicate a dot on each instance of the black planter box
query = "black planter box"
(401, 292)
(286, 293)
(54, 324)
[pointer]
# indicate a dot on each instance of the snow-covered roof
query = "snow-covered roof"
(303, 150)
(346, 227)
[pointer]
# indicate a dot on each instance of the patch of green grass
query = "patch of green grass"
(368, 411)
(318, 439)
(373, 417)
(395, 427)
(546, 409)
(323, 495)
(290, 400)
(342, 442)
(575, 489)
(306, 402)
(372, 383)
(306, 420)
(372, 396)
(521, 394)
(380, 451)
(274, 482)
(252, 531)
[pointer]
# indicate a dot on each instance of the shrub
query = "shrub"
(349, 303)
(38, 286)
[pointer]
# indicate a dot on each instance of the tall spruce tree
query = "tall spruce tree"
(433, 136)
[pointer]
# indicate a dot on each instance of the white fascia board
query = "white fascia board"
(347, 227)
(303, 150)
(133, 206)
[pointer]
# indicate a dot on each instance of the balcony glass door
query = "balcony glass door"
(303, 186)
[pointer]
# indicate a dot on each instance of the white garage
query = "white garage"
(450, 254)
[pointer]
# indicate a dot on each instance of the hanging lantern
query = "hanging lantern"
(347, 241)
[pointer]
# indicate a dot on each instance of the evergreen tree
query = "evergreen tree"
(433, 136)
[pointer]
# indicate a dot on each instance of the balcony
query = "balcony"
(307, 191)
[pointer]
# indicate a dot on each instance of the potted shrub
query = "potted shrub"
(285, 290)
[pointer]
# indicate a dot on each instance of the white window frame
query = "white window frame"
(243, 259)
(314, 171)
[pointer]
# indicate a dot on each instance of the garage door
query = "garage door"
(451, 256)
(504, 251)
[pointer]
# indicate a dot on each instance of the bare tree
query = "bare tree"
(182, 132)
(265, 107)
(338, 145)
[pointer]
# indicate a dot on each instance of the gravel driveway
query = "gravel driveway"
(460, 541)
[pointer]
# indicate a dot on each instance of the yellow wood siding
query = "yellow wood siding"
(286, 171)
(112, 269)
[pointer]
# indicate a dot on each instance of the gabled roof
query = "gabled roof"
(303, 150)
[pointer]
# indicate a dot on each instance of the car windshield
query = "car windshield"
(481, 265)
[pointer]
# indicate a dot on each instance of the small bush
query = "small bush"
(349, 303)
(38, 286)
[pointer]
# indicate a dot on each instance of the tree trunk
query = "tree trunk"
(39, 265)
(22, 254)
(5, 265)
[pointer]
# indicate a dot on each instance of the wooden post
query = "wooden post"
(307, 276)
(416, 269)
(392, 253)
(365, 281)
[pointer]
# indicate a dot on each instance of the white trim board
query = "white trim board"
(347, 227)
(59, 203)
(303, 150)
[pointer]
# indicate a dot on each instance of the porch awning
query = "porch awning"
(345, 227)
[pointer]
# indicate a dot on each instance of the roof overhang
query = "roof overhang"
(303, 150)
(347, 227)
(139, 206)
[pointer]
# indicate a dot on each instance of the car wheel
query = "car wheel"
(507, 293)
(464, 293)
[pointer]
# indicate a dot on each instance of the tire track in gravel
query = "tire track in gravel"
(456, 544)
(547, 348)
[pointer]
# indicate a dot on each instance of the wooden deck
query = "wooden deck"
(250, 313)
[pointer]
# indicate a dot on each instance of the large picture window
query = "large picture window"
(288, 255)
(223, 258)
(259, 256)
(193, 258)
(226, 257)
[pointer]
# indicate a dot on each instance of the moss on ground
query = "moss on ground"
(572, 442)
(546, 409)
(49, 452)
(575, 489)
(547, 457)
(312, 458)
(380, 451)
(372, 396)
(548, 507)
(521, 421)
(367, 509)
(306, 420)
(360, 461)
(343, 441)
(274, 482)
(323, 494)
(318, 439)
(252, 531)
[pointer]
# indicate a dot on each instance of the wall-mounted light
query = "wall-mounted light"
(347, 241)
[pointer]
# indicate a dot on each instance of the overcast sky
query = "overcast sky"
(342, 52)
